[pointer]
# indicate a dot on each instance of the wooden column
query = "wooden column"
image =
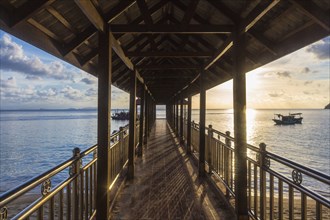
(181, 120)
(177, 117)
(189, 126)
(103, 125)
(239, 87)
(146, 118)
(202, 110)
(142, 91)
(132, 122)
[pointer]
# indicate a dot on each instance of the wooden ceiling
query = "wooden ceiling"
(169, 42)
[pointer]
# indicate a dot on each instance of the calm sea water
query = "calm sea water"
(35, 141)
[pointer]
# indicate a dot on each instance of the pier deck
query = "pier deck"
(166, 185)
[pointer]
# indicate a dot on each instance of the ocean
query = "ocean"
(32, 142)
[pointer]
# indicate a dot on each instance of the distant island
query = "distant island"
(327, 107)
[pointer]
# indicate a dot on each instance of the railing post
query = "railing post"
(121, 145)
(210, 136)
(75, 169)
(262, 161)
(227, 165)
(189, 126)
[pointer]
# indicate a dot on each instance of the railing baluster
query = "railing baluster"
(60, 205)
(91, 189)
(81, 195)
(262, 181)
(40, 214)
(68, 206)
(51, 209)
(75, 188)
(280, 199)
(271, 197)
(249, 185)
(255, 174)
(291, 202)
(303, 207)
(318, 211)
(86, 193)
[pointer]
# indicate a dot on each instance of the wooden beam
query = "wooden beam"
(147, 19)
(103, 126)
(223, 9)
(172, 54)
(202, 113)
(177, 29)
(132, 123)
(314, 12)
(255, 15)
(78, 40)
(264, 41)
(26, 11)
(61, 19)
(45, 30)
(239, 87)
(167, 67)
(118, 10)
(91, 13)
(189, 126)
(189, 14)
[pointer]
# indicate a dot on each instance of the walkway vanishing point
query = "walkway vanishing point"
(166, 185)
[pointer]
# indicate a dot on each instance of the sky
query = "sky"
(33, 79)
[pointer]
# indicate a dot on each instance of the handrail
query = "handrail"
(263, 180)
(80, 178)
(322, 177)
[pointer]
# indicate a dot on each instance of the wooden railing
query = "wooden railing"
(272, 193)
(73, 197)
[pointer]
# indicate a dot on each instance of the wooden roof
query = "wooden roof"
(167, 41)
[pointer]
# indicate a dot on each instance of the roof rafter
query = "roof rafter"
(172, 54)
(314, 12)
(167, 67)
(179, 29)
(245, 25)
(25, 11)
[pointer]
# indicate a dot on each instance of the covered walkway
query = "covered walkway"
(166, 185)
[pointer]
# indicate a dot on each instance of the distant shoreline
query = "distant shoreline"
(125, 109)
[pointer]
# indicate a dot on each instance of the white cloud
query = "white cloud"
(71, 93)
(14, 59)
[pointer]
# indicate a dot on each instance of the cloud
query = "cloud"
(308, 82)
(13, 59)
(9, 83)
(284, 74)
(305, 70)
(71, 93)
(321, 50)
(88, 81)
(32, 78)
(276, 94)
(91, 92)
(47, 93)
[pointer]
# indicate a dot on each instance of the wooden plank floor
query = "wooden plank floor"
(166, 185)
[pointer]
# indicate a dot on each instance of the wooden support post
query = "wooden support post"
(202, 111)
(142, 99)
(132, 122)
(103, 125)
(146, 119)
(189, 126)
(239, 86)
(181, 121)
(177, 117)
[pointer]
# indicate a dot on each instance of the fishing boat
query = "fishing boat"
(291, 119)
(120, 115)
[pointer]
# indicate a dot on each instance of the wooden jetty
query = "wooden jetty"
(166, 51)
